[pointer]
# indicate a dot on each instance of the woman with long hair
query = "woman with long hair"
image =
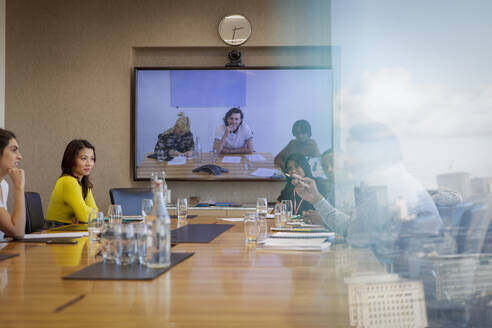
(297, 165)
(10, 156)
(71, 200)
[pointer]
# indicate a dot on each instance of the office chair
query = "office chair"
(34, 212)
(130, 199)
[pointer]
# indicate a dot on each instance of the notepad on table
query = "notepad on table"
(255, 158)
(301, 229)
(264, 172)
(231, 159)
(179, 160)
(303, 235)
(297, 244)
(34, 236)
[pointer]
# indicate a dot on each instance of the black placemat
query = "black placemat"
(188, 217)
(198, 233)
(7, 256)
(111, 271)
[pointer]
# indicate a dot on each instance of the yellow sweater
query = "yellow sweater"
(67, 203)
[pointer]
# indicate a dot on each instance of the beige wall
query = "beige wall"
(69, 63)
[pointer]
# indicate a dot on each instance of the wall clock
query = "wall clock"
(234, 30)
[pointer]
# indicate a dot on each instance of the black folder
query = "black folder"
(198, 233)
(7, 256)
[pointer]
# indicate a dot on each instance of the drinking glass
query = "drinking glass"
(288, 209)
(125, 244)
(108, 241)
(95, 222)
(261, 208)
(262, 230)
(280, 215)
(147, 207)
(251, 227)
(115, 214)
(197, 153)
(182, 209)
(160, 155)
(141, 241)
(213, 155)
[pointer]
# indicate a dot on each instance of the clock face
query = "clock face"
(234, 29)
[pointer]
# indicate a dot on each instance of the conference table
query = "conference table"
(240, 166)
(226, 283)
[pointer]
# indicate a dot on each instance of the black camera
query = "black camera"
(234, 57)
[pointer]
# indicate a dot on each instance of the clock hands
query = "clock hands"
(234, 29)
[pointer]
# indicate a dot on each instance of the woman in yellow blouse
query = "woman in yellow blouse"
(71, 201)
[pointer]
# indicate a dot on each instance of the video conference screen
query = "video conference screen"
(180, 124)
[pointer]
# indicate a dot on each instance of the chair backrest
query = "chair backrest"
(34, 212)
(130, 199)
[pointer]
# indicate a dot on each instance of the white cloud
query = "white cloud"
(391, 96)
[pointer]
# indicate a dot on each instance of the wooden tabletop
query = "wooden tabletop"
(226, 283)
(237, 171)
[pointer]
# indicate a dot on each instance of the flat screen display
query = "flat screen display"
(179, 115)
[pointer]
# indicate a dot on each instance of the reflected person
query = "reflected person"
(234, 136)
(302, 144)
(176, 140)
(374, 160)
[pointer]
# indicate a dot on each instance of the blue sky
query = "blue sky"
(424, 68)
(437, 40)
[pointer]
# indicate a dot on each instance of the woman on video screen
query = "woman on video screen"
(302, 144)
(176, 140)
(234, 136)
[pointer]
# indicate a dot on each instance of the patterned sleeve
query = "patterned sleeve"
(188, 143)
(164, 143)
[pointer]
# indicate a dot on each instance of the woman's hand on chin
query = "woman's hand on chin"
(17, 176)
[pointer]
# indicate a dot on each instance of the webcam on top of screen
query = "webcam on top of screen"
(234, 57)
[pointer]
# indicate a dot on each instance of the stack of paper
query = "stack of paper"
(299, 241)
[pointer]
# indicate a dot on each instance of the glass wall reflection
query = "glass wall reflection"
(411, 162)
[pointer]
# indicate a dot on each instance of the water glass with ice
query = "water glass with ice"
(125, 244)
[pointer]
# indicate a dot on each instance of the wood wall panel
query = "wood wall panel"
(68, 74)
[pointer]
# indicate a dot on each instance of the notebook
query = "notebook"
(297, 244)
(303, 235)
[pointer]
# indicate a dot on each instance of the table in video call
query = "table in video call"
(237, 171)
(225, 283)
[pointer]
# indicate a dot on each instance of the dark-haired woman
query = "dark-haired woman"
(296, 164)
(11, 225)
(302, 144)
(71, 201)
(234, 136)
